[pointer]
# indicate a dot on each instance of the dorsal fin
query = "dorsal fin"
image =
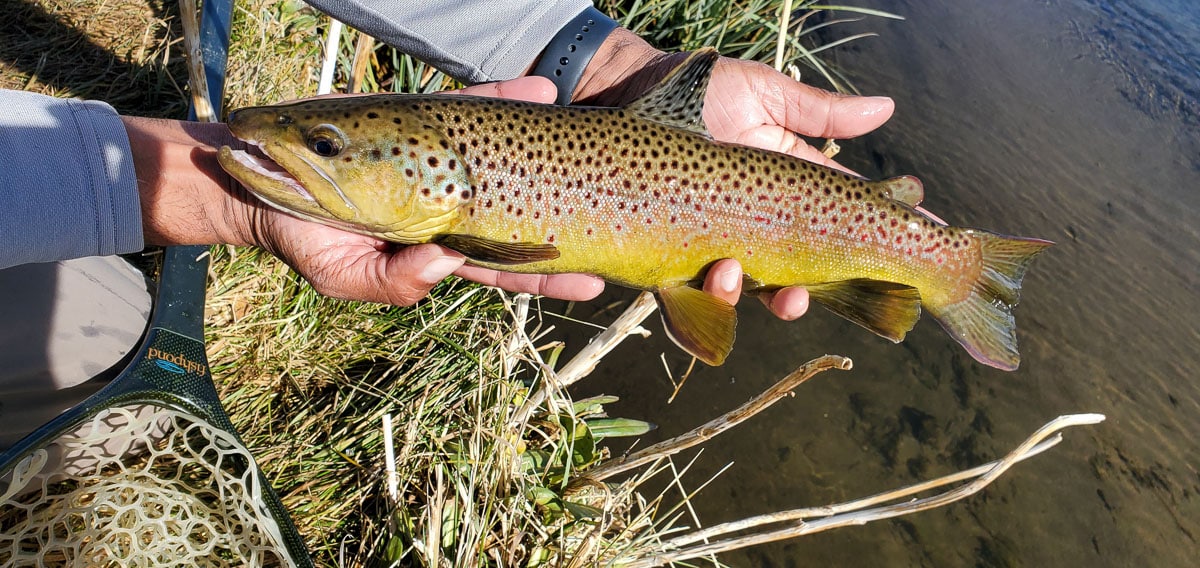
(678, 100)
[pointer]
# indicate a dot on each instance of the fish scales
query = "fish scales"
(640, 197)
(594, 183)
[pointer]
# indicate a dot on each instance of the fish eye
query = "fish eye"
(325, 141)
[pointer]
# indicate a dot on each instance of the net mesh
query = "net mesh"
(138, 486)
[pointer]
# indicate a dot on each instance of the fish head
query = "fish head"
(364, 164)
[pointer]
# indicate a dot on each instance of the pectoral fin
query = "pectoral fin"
(497, 251)
(886, 308)
(698, 322)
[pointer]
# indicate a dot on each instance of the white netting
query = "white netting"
(138, 486)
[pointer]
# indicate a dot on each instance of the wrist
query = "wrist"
(624, 67)
(186, 197)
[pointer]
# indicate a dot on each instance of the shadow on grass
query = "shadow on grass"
(126, 53)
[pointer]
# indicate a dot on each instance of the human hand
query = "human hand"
(747, 103)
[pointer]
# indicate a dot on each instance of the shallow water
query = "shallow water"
(1072, 120)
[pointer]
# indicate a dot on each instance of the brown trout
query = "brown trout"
(640, 196)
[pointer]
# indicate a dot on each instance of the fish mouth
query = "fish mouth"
(260, 173)
(263, 173)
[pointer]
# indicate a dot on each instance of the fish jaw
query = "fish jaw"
(274, 171)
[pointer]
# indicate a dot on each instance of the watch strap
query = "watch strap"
(570, 51)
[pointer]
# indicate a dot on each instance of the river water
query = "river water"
(1076, 121)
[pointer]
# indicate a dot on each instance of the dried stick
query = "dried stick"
(583, 363)
(363, 48)
(189, 16)
(628, 323)
(722, 423)
(796, 527)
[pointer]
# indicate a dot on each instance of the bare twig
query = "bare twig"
(583, 363)
(189, 15)
(720, 424)
(628, 323)
(794, 526)
(364, 46)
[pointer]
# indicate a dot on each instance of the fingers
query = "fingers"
(816, 112)
(747, 90)
(572, 287)
(830, 115)
(724, 280)
(412, 272)
(787, 303)
(780, 139)
(532, 89)
(357, 270)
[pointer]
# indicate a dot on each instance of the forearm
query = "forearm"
(186, 197)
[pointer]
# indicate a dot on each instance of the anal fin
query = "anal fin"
(698, 322)
(886, 308)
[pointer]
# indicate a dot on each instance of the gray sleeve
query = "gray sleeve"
(69, 189)
(474, 41)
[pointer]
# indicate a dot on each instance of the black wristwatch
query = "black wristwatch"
(568, 53)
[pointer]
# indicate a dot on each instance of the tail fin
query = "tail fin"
(983, 322)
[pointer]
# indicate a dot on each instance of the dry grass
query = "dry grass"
(125, 52)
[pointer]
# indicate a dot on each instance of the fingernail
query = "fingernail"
(729, 280)
(868, 106)
(439, 268)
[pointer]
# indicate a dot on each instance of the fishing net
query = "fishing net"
(139, 486)
(148, 471)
